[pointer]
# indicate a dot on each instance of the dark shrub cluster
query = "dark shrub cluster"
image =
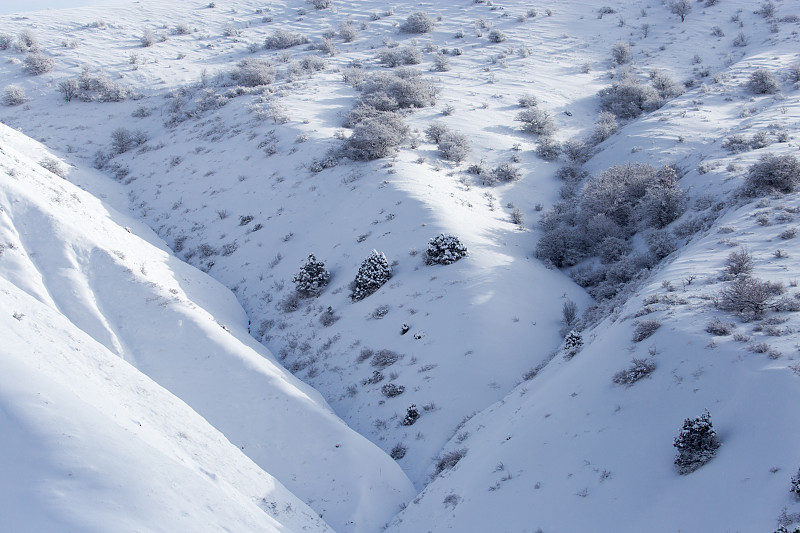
(601, 219)
(773, 173)
(639, 369)
(390, 390)
(419, 22)
(449, 460)
(697, 443)
(412, 414)
(644, 329)
(312, 278)
(444, 250)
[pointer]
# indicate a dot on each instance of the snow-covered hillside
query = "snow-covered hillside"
(222, 126)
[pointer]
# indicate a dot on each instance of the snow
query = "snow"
(227, 189)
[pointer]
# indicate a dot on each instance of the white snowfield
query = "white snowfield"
(147, 283)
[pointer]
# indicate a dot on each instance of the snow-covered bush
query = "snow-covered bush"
(627, 98)
(505, 172)
(412, 414)
(795, 485)
(763, 81)
(548, 149)
(697, 443)
(281, 39)
(645, 328)
(320, 4)
(736, 144)
(390, 390)
(123, 140)
(454, 146)
(749, 297)
(664, 85)
(6, 41)
(312, 278)
(377, 137)
(680, 8)
(53, 165)
(528, 100)
(419, 22)
(372, 274)
(394, 57)
(252, 72)
(640, 368)
(577, 152)
(573, 342)
(398, 452)
(14, 95)
(444, 250)
(604, 127)
(719, 328)
(147, 39)
(536, 121)
(37, 63)
(773, 173)
(449, 460)
(69, 88)
(497, 36)
(621, 53)
(435, 131)
(27, 41)
(348, 32)
(441, 63)
(738, 264)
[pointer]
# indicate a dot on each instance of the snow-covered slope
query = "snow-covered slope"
(67, 250)
(230, 178)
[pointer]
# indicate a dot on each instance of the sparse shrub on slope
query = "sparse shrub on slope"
(419, 22)
(639, 369)
(664, 85)
(773, 173)
(252, 72)
(375, 138)
(763, 81)
(628, 98)
(749, 297)
(680, 8)
(372, 274)
(644, 329)
(123, 140)
(312, 278)
(454, 146)
(37, 63)
(621, 53)
(697, 443)
(537, 121)
(795, 485)
(320, 4)
(444, 250)
(281, 39)
(14, 95)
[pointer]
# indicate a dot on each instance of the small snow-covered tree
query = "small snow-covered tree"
(573, 343)
(312, 278)
(373, 273)
(412, 414)
(14, 95)
(697, 443)
(419, 22)
(763, 81)
(681, 8)
(444, 249)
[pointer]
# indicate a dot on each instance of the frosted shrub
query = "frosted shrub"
(6, 41)
(527, 100)
(53, 166)
(604, 127)
(573, 342)
(377, 137)
(312, 278)
(454, 146)
(69, 88)
(147, 39)
(576, 152)
(372, 274)
(627, 98)
(719, 328)
(390, 390)
(681, 8)
(252, 72)
(497, 36)
(664, 85)
(123, 140)
(27, 41)
(773, 173)
(348, 32)
(506, 173)
(398, 452)
(419, 22)
(444, 250)
(621, 53)
(749, 297)
(639, 369)
(384, 358)
(644, 329)
(394, 57)
(320, 4)
(37, 64)
(412, 414)
(736, 144)
(697, 443)
(795, 486)
(441, 63)
(14, 95)
(449, 460)
(536, 121)
(738, 264)
(405, 86)
(435, 131)
(548, 149)
(282, 39)
(763, 81)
